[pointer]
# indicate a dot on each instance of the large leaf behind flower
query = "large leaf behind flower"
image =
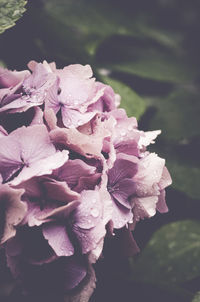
(130, 101)
(178, 114)
(10, 12)
(81, 26)
(172, 254)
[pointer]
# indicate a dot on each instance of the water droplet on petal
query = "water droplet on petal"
(79, 122)
(123, 132)
(95, 212)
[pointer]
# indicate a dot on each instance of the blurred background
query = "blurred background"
(149, 52)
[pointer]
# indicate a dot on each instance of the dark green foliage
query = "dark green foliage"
(10, 12)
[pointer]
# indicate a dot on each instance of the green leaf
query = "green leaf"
(196, 297)
(2, 64)
(10, 12)
(130, 101)
(185, 177)
(177, 115)
(83, 25)
(172, 254)
(156, 66)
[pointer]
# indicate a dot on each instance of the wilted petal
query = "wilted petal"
(12, 211)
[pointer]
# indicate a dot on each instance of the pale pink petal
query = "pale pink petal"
(38, 117)
(41, 167)
(150, 169)
(165, 180)
(11, 78)
(73, 118)
(144, 207)
(148, 138)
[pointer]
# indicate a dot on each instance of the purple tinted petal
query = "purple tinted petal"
(52, 99)
(121, 215)
(86, 145)
(106, 102)
(89, 238)
(123, 190)
(58, 239)
(73, 170)
(58, 190)
(41, 167)
(10, 160)
(76, 86)
(75, 271)
(85, 291)
(124, 167)
(30, 152)
(89, 212)
(87, 182)
(61, 212)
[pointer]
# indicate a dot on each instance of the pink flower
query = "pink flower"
(73, 168)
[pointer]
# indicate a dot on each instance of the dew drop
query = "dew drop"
(79, 122)
(95, 212)
(123, 132)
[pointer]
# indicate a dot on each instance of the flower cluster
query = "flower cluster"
(73, 169)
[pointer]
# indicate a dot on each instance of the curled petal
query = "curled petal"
(12, 211)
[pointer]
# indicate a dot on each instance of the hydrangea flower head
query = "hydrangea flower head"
(72, 171)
